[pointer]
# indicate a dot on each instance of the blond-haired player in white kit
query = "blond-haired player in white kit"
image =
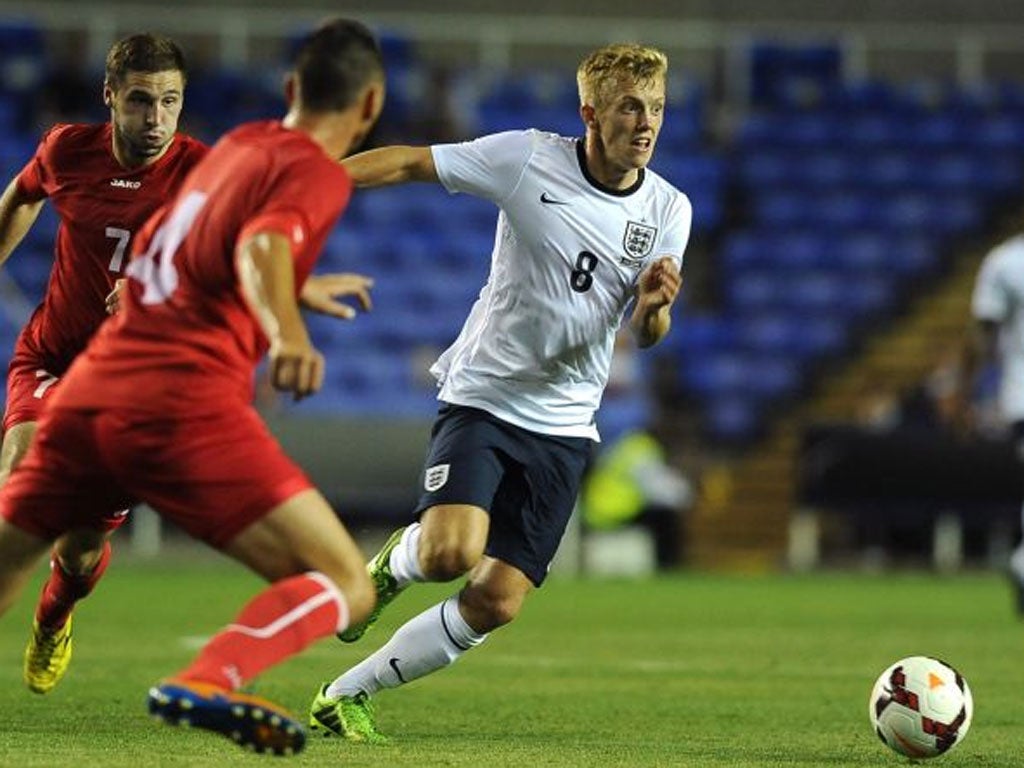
(585, 235)
(997, 309)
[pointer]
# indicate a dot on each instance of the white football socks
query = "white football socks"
(405, 560)
(424, 644)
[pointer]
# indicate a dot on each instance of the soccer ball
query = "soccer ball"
(921, 707)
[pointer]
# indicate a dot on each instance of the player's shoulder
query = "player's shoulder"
(69, 148)
(191, 147)
(279, 150)
(657, 186)
(1007, 252)
(76, 137)
(549, 142)
(532, 139)
(272, 137)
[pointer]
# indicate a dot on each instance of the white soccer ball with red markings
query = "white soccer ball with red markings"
(921, 707)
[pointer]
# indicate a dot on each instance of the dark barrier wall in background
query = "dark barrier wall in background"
(369, 470)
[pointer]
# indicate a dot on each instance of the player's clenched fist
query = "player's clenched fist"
(113, 300)
(296, 368)
(660, 283)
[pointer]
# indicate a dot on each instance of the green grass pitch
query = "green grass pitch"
(689, 670)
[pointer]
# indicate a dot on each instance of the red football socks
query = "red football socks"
(276, 624)
(62, 590)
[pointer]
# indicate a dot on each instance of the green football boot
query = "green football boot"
(350, 717)
(384, 585)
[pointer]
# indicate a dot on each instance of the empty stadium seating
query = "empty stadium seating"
(821, 213)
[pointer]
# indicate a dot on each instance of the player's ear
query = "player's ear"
(291, 86)
(108, 95)
(372, 102)
(589, 115)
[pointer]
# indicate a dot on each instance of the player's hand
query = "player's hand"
(320, 293)
(659, 284)
(113, 300)
(296, 367)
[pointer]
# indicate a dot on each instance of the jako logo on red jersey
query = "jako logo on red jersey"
(125, 183)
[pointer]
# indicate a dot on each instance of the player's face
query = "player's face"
(628, 124)
(144, 111)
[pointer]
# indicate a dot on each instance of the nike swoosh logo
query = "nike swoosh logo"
(393, 663)
(550, 200)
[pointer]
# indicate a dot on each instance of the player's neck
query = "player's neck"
(606, 173)
(129, 160)
(332, 131)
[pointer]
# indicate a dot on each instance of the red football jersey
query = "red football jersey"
(185, 337)
(101, 206)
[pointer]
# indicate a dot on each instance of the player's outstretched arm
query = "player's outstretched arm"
(17, 215)
(391, 165)
(656, 292)
(265, 273)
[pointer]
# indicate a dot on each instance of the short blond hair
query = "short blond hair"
(601, 71)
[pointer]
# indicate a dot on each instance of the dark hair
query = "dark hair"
(335, 62)
(143, 53)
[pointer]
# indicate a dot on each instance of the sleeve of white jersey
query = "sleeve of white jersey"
(677, 229)
(990, 300)
(489, 167)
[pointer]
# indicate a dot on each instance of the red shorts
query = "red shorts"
(28, 386)
(212, 476)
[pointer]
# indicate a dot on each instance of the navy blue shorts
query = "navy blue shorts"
(526, 481)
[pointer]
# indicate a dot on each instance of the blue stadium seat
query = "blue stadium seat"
(741, 250)
(780, 211)
(732, 419)
(767, 167)
(30, 269)
(849, 210)
(786, 75)
(887, 169)
(1000, 132)
(868, 296)
(941, 131)
(696, 334)
(712, 373)
(799, 250)
(623, 413)
(771, 332)
(820, 291)
(755, 290)
(798, 338)
(524, 90)
(875, 131)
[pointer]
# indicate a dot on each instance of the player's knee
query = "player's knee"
(486, 611)
(78, 554)
(360, 596)
(445, 561)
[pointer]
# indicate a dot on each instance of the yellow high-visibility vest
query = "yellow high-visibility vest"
(611, 495)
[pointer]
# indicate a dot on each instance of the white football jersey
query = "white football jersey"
(999, 297)
(536, 348)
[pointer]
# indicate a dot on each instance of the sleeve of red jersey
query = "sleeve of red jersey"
(35, 179)
(303, 202)
(288, 222)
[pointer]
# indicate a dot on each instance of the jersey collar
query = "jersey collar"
(581, 156)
